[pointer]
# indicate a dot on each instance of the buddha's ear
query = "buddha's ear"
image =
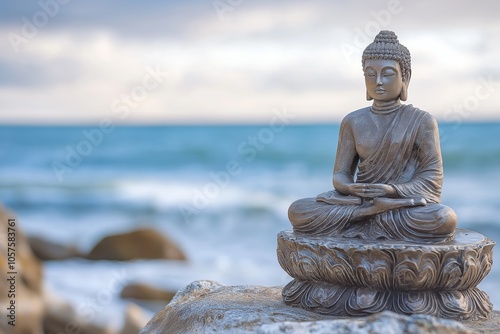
(404, 91)
(403, 96)
(368, 97)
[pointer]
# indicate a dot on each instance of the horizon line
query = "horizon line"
(215, 124)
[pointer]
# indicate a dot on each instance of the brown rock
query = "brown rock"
(490, 326)
(27, 265)
(27, 280)
(47, 250)
(135, 319)
(208, 307)
(60, 317)
(140, 244)
(146, 292)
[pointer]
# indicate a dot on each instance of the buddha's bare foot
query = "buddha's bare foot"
(419, 201)
(384, 203)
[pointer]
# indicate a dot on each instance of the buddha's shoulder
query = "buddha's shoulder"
(427, 118)
(356, 115)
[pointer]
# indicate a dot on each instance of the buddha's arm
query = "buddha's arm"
(428, 177)
(346, 159)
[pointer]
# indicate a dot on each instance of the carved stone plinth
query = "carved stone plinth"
(341, 276)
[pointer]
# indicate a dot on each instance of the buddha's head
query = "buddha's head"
(387, 68)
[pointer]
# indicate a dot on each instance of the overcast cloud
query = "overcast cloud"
(76, 61)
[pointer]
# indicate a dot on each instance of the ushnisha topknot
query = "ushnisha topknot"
(386, 46)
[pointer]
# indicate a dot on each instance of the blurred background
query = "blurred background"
(204, 120)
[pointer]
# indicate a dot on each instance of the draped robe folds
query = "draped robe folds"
(403, 159)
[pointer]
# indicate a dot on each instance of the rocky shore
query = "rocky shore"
(29, 309)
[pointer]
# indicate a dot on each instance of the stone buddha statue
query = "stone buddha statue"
(381, 239)
(388, 169)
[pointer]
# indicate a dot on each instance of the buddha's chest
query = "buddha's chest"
(371, 135)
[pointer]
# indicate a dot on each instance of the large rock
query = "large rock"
(140, 244)
(61, 317)
(146, 292)
(27, 279)
(208, 307)
(385, 322)
(135, 319)
(46, 250)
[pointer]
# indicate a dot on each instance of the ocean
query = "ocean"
(221, 192)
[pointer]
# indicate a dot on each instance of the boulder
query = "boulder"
(29, 268)
(208, 307)
(26, 272)
(47, 250)
(135, 319)
(384, 322)
(146, 292)
(61, 317)
(139, 244)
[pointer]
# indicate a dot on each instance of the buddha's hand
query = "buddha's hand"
(372, 190)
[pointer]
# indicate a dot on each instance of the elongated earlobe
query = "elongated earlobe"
(403, 96)
(368, 97)
(404, 92)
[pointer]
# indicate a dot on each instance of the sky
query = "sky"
(237, 61)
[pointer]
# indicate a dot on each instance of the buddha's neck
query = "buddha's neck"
(385, 107)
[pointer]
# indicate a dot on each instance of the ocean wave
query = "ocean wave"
(163, 178)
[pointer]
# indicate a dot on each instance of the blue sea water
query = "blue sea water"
(221, 192)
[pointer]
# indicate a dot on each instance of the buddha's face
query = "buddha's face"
(383, 79)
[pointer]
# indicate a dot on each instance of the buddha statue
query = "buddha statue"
(381, 239)
(388, 169)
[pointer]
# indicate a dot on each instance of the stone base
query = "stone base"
(208, 307)
(329, 299)
(365, 277)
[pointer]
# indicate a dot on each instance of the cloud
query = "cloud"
(260, 56)
(30, 72)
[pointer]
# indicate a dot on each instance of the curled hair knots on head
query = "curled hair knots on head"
(386, 36)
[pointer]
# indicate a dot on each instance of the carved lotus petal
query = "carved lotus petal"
(455, 302)
(373, 268)
(472, 269)
(337, 269)
(367, 301)
(308, 266)
(451, 272)
(417, 302)
(416, 269)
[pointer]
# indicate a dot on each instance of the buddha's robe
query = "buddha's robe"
(407, 157)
